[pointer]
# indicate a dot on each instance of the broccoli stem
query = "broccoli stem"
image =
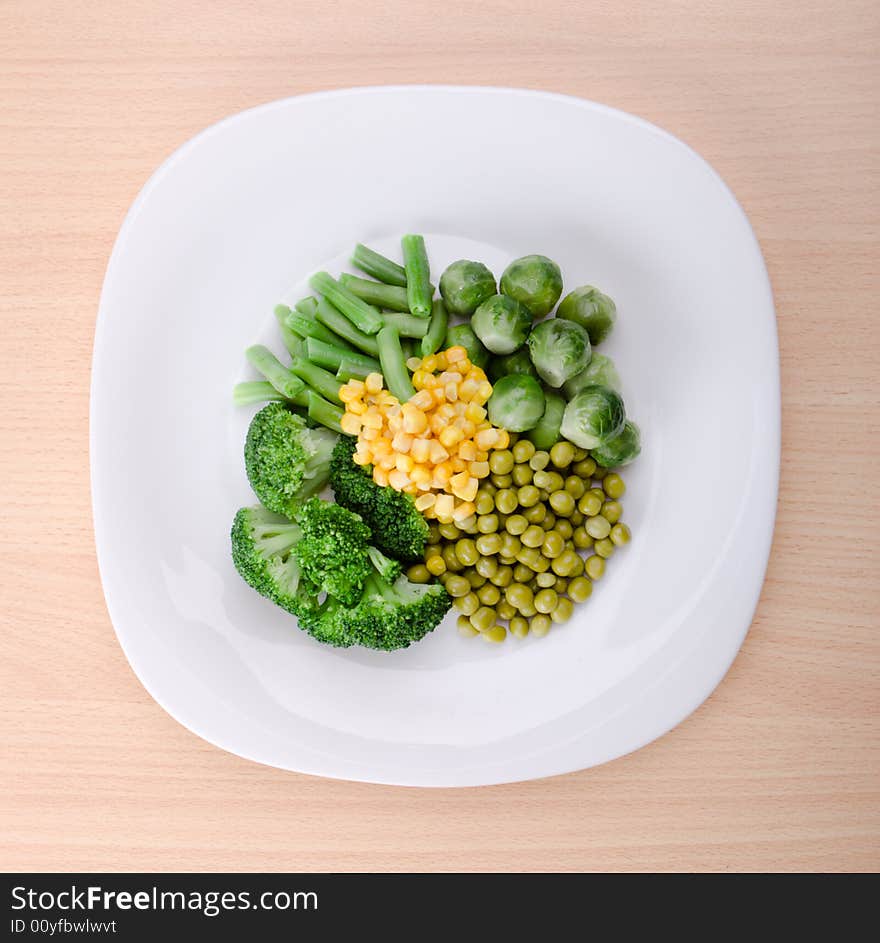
(363, 316)
(330, 356)
(393, 366)
(340, 325)
(323, 412)
(433, 340)
(418, 284)
(256, 391)
(352, 371)
(408, 325)
(317, 378)
(307, 306)
(375, 293)
(263, 360)
(377, 265)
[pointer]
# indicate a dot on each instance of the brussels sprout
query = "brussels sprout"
(559, 350)
(591, 309)
(517, 362)
(461, 335)
(466, 285)
(600, 372)
(546, 433)
(502, 324)
(620, 449)
(534, 280)
(516, 403)
(593, 417)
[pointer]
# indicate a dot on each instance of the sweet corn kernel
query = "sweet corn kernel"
(455, 354)
(468, 491)
(450, 391)
(463, 511)
(422, 400)
(444, 506)
(351, 424)
(503, 439)
(380, 476)
(369, 434)
(421, 450)
(450, 436)
(467, 450)
(457, 464)
(402, 442)
(484, 391)
(486, 438)
(421, 475)
(413, 363)
(420, 379)
(475, 412)
(356, 406)
(374, 383)
(404, 462)
(436, 453)
(360, 459)
(429, 363)
(479, 469)
(425, 501)
(443, 472)
(414, 421)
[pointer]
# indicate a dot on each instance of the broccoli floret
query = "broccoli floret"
(387, 568)
(262, 550)
(286, 461)
(389, 615)
(399, 529)
(333, 552)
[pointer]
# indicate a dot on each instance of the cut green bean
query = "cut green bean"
(393, 366)
(408, 346)
(323, 412)
(256, 391)
(418, 275)
(331, 318)
(330, 357)
(408, 325)
(392, 297)
(363, 316)
(433, 340)
(264, 361)
(292, 340)
(377, 265)
(352, 371)
(307, 306)
(318, 379)
(306, 326)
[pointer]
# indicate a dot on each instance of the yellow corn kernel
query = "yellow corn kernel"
(351, 424)
(436, 453)
(458, 480)
(466, 426)
(369, 435)
(374, 383)
(444, 506)
(414, 420)
(380, 476)
(398, 480)
(421, 449)
(422, 400)
(468, 390)
(443, 472)
(429, 363)
(503, 439)
(388, 461)
(403, 462)
(420, 378)
(486, 438)
(359, 458)
(484, 391)
(468, 491)
(463, 511)
(438, 424)
(450, 436)
(457, 464)
(482, 456)
(479, 469)
(402, 442)
(467, 450)
(372, 418)
(425, 501)
(455, 354)
(347, 393)
(446, 411)
(420, 475)
(440, 362)
(413, 364)
(450, 391)
(356, 406)
(475, 412)
(384, 398)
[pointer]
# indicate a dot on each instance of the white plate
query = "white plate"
(233, 222)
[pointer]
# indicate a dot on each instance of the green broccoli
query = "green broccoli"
(286, 461)
(399, 529)
(387, 568)
(333, 550)
(389, 615)
(262, 551)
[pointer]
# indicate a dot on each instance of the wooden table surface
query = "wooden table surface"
(779, 769)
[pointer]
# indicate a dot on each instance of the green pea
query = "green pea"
(486, 487)
(418, 573)
(468, 604)
(533, 536)
(576, 518)
(540, 625)
(466, 551)
(580, 589)
(614, 486)
(434, 535)
(546, 580)
(488, 544)
(521, 573)
(620, 534)
(483, 618)
(532, 558)
(595, 567)
(612, 511)
(541, 479)
(565, 564)
(597, 527)
(600, 473)
(604, 547)
(539, 461)
(562, 454)
(564, 529)
(553, 544)
(502, 481)
(449, 558)
(505, 501)
(549, 521)
(510, 545)
(496, 634)
(580, 454)
(484, 503)
(504, 576)
(457, 586)
(528, 495)
(518, 595)
(519, 627)
(505, 610)
(475, 579)
(516, 524)
(449, 531)
(489, 594)
(523, 451)
(522, 475)
(545, 601)
(487, 523)
(535, 514)
(589, 504)
(575, 487)
(528, 611)
(465, 628)
(501, 462)
(563, 611)
(584, 468)
(562, 503)
(486, 566)
(506, 561)
(582, 540)
(561, 584)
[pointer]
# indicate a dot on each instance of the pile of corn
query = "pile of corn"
(435, 446)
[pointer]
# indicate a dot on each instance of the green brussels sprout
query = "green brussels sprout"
(600, 371)
(559, 350)
(620, 449)
(591, 309)
(502, 324)
(517, 362)
(465, 285)
(534, 280)
(593, 417)
(546, 433)
(516, 403)
(462, 335)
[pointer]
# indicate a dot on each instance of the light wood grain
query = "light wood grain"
(780, 769)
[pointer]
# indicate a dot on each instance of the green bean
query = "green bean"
(539, 625)
(256, 391)
(363, 316)
(465, 627)
(331, 357)
(377, 294)
(397, 377)
(336, 322)
(436, 334)
(318, 379)
(418, 284)
(352, 371)
(305, 324)
(324, 413)
(281, 378)
(377, 265)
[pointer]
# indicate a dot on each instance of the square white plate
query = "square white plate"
(235, 221)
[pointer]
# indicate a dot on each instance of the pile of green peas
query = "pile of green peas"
(545, 523)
